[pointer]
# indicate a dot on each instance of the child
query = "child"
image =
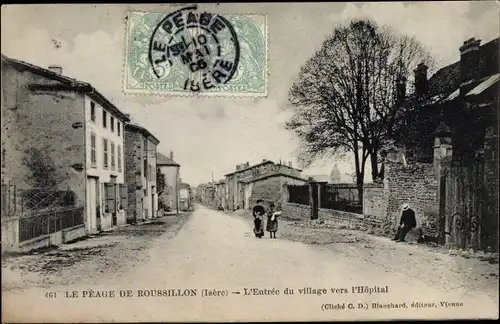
(272, 221)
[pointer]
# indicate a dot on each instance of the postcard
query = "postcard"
(249, 162)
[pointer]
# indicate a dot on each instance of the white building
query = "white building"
(171, 170)
(106, 192)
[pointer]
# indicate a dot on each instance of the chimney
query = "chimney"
(237, 167)
(56, 69)
(469, 63)
(442, 145)
(247, 164)
(171, 155)
(290, 164)
(421, 83)
(264, 160)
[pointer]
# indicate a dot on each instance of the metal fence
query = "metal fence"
(341, 197)
(25, 202)
(49, 222)
(298, 194)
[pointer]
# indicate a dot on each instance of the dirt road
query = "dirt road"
(214, 269)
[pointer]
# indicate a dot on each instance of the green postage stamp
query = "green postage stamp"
(187, 52)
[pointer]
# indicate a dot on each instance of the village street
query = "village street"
(215, 250)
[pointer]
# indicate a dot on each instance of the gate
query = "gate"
(463, 198)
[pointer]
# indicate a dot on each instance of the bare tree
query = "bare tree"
(349, 93)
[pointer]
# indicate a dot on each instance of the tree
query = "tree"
(161, 184)
(161, 181)
(43, 171)
(349, 93)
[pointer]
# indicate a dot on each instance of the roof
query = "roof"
(447, 79)
(488, 82)
(184, 185)
(265, 176)
(250, 167)
(71, 84)
(259, 164)
(136, 127)
(162, 159)
(320, 177)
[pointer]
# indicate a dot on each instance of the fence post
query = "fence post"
(321, 186)
(313, 199)
(442, 207)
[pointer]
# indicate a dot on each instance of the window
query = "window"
(150, 175)
(104, 118)
(113, 156)
(105, 146)
(145, 168)
(119, 149)
(118, 126)
(93, 158)
(112, 124)
(92, 111)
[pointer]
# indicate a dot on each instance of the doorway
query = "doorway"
(92, 205)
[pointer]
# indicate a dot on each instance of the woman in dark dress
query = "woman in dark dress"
(258, 221)
(272, 221)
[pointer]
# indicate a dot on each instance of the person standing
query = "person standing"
(406, 223)
(272, 221)
(258, 219)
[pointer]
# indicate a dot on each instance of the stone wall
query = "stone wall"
(329, 217)
(375, 201)
(268, 189)
(333, 217)
(417, 185)
(133, 174)
(44, 123)
(293, 211)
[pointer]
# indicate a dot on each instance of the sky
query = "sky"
(208, 135)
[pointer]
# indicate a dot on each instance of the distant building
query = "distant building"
(319, 177)
(221, 194)
(260, 181)
(171, 170)
(185, 196)
(206, 194)
(140, 158)
(335, 175)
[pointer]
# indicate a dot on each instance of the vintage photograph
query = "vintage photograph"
(254, 162)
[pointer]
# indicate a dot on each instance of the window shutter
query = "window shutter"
(110, 198)
(123, 196)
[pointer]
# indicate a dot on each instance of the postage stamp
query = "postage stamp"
(187, 52)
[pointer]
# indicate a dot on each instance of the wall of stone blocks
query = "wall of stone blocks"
(133, 173)
(51, 122)
(417, 185)
(375, 201)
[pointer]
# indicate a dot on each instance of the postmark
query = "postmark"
(188, 52)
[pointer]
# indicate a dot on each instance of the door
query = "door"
(112, 195)
(464, 208)
(114, 219)
(153, 209)
(92, 205)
